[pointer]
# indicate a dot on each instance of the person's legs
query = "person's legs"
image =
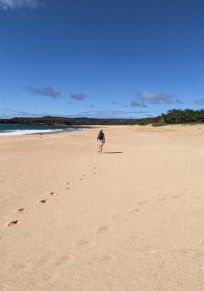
(100, 144)
(101, 148)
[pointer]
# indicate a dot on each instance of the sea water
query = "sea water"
(19, 129)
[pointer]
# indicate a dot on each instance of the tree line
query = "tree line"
(174, 116)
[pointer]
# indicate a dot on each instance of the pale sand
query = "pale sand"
(120, 221)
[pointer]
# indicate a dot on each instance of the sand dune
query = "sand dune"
(130, 219)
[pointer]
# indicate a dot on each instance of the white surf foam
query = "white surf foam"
(23, 132)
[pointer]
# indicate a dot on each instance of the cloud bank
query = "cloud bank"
(112, 114)
(13, 4)
(46, 91)
(143, 98)
(12, 113)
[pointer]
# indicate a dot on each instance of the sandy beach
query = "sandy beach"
(129, 219)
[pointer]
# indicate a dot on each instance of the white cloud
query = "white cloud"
(143, 98)
(112, 114)
(13, 4)
(154, 98)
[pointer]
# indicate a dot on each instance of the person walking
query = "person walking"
(101, 141)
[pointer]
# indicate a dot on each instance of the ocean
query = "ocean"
(19, 129)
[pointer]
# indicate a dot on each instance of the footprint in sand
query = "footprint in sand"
(69, 184)
(102, 229)
(21, 210)
(43, 201)
(52, 194)
(13, 222)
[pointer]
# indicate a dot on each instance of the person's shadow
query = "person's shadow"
(110, 153)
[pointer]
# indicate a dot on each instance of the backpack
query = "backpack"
(101, 135)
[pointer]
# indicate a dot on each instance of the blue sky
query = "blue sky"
(100, 58)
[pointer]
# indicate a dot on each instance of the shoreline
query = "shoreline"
(85, 127)
(24, 132)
